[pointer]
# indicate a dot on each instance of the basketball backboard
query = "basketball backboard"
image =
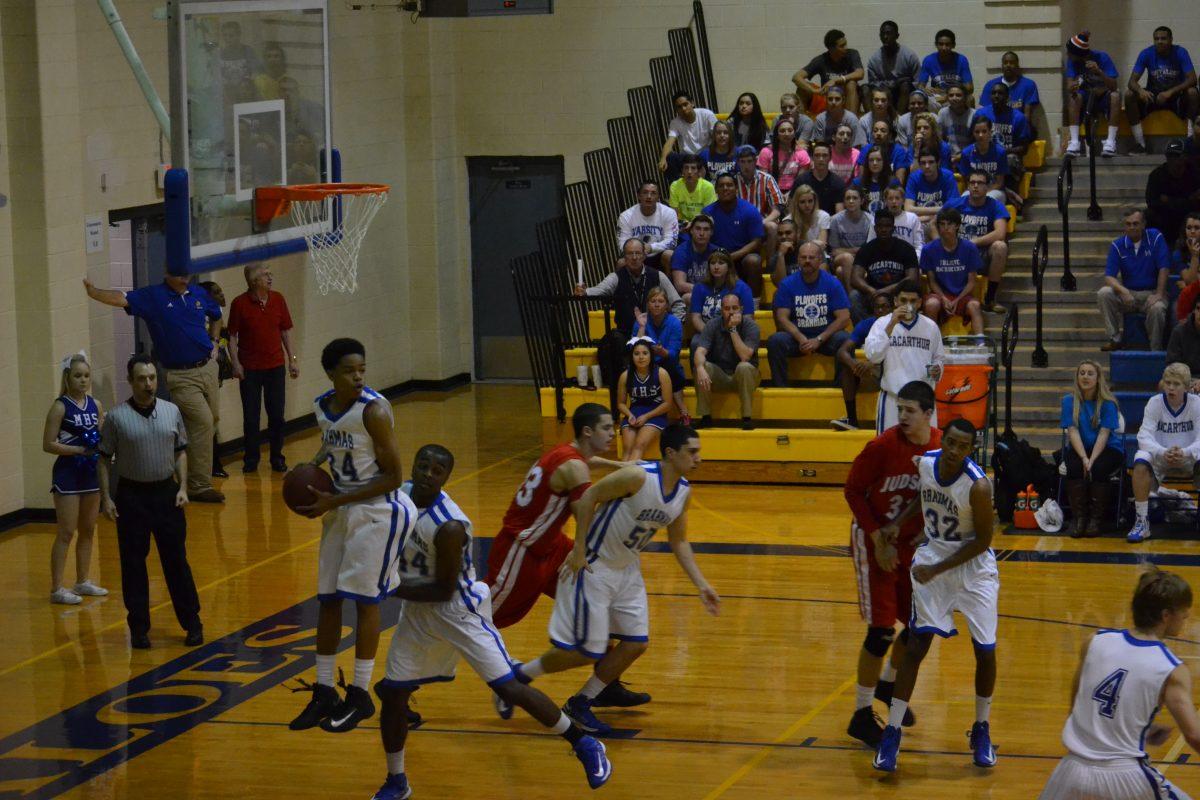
(250, 106)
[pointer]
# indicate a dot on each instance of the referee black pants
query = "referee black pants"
(145, 510)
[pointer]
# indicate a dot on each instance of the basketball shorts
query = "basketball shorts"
(601, 604)
(518, 576)
(972, 589)
(1160, 467)
(1078, 778)
(1176, 105)
(883, 597)
(360, 548)
(887, 413)
(431, 637)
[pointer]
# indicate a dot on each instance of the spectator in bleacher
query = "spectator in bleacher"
(1011, 129)
(1191, 146)
(822, 180)
(849, 229)
(690, 194)
(860, 373)
(898, 159)
(629, 285)
(1168, 444)
(893, 67)
(789, 108)
(644, 394)
(1094, 452)
(1184, 345)
(874, 177)
(839, 67)
(985, 225)
(908, 345)
(1022, 92)
(811, 312)
(1185, 264)
(834, 116)
(748, 123)
(986, 155)
(950, 263)
(1172, 190)
(918, 103)
(1091, 80)
(786, 254)
(274, 67)
(944, 68)
(880, 266)
(738, 228)
(929, 188)
(689, 264)
(760, 190)
(783, 159)
(881, 108)
(812, 221)
(908, 226)
(927, 136)
(691, 128)
(724, 357)
(843, 158)
(954, 122)
(1135, 279)
(720, 279)
(665, 332)
(655, 224)
(1170, 84)
(721, 154)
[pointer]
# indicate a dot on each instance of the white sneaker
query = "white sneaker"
(89, 589)
(1140, 531)
(65, 596)
(1109, 150)
(1074, 148)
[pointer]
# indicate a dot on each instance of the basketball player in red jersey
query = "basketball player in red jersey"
(883, 481)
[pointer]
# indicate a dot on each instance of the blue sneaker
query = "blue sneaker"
(394, 788)
(591, 754)
(889, 750)
(502, 706)
(1140, 532)
(579, 709)
(981, 745)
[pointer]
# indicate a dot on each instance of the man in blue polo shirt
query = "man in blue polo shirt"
(738, 228)
(928, 189)
(1022, 92)
(985, 225)
(1135, 280)
(689, 262)
(811, 314)
(1170, 84)
(184, 323)
(1091, 79)
(951, 263)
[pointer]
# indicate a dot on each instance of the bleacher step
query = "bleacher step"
(815, 406)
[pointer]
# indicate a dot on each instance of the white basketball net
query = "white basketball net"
(334, 253)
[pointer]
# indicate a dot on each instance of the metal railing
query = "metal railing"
(1066, 185)
(1008, 347)
(706, 70)
(1093, 212)
(1041, 256)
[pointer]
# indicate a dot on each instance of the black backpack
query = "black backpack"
(1017, 464)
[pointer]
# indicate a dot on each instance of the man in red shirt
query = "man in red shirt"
(883, 482)
(260, 347)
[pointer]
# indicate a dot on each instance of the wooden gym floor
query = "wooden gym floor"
(752, 704)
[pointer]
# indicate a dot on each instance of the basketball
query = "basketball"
(295, 485)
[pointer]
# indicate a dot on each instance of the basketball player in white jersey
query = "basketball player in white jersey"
(601, 594)
(1124, 678)
(909, 346)
(953, 570)
(1168, 443)
(363, 530)
(447, 614)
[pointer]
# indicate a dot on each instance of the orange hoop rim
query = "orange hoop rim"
(318, 191)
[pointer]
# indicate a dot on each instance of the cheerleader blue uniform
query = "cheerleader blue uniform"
(80, 428)
(646, 394)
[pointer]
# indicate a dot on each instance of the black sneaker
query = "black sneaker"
(883, 693)
(323, 703)
(354, 709)
(866, 726)
(615, 695)
(1137, 149)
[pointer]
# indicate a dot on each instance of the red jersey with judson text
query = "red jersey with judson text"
(536, 516)
(883, 481)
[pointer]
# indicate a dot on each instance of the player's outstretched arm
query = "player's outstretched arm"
(378, 422)
(450, 539)
(682, 548)
(981, 511)
(621, 483)
(1177, 696)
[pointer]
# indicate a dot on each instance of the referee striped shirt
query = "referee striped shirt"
(143, 446)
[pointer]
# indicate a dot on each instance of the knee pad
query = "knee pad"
(878, 640)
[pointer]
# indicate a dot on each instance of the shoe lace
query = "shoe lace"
(307, 686)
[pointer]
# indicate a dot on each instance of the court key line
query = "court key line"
(226, 578)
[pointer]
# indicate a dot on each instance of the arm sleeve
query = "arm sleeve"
(965, 66)
(1139, 66)
(699, 292)
(742, 290)
(181, 437)
(755, 227)
(838, 299)
(285, 317)
(937, 350)
(1185, 61)
(672, 336)
(875, 74)
(1162, 254)
(705, 337)
(139, 302)
(1109, 418)
(922, 72)
(1145, 437)
(670, 226)
(606, 287)
(835, 233)
(858, 484)
(624, 230)
(876, 345)
(909, 257)
(235, 317)
(211, 309)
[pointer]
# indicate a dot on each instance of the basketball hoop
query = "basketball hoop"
(332, 249)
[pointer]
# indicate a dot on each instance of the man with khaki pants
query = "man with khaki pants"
(725, 356)
(1135, 280)
(184, 323)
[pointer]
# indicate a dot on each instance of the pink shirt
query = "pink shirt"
(796, 163)
(844, 166)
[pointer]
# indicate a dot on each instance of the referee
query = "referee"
(145, 440)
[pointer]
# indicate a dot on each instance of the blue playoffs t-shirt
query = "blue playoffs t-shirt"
(1009, 127)
(707, 303)
(978, 220)
(952, 268)
(926, 194)
(1021, 95)
(686, 259)
(943, 76)
(735, 229)
(718, 163)
(1163, 71)
(811, 306)
(894, 154)
(994, 162)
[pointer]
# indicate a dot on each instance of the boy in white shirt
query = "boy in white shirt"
(909, 345)
(1168, 443)
(908, 227)
(655, 224)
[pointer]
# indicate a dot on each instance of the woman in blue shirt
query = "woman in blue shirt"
(720, 281)
(1094, 450)
(666, 332)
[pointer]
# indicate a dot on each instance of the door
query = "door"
(508, 198)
